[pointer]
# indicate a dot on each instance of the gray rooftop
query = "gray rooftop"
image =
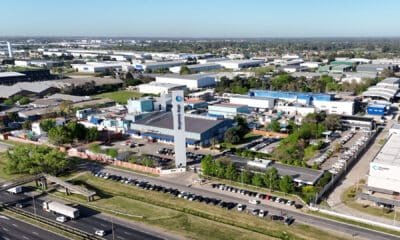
(390, 152)
(11, 74)
(189, 76)
(164, 120)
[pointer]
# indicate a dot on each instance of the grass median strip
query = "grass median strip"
(192, 219)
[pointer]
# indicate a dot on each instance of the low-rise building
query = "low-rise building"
(159, 87)
(193, 81)
(228, 110)
(140, 105)
(240, 64)
(252, 102)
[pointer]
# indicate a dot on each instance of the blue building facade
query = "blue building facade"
(305, 97)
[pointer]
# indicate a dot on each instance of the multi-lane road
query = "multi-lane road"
(89, 220)
(272, 208)
(11, 228)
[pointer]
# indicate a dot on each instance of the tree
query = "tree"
(207, 165)
(184, 70)
(308, 193)
(286, 184)
(257, 180)
(232, 136)
(12, 116)
(332, 122)
(77, 130)
(8, 102)
(60, 135)
(274, 126)
(65, 108)
(91, 134)
(47, 124)
(34, 159)
(245, 177)
(219, 169)
(112, 152)
(230, 171)
(27, 125)
(271, 178)
(24, 101)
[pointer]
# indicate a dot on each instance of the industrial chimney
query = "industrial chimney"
(9, 50)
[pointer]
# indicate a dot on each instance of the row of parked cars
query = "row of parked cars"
(341, 163)
(190, 196)
(256, 195)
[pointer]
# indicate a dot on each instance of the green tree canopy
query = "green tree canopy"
(47, 124)
(286, 184)
(34, 159)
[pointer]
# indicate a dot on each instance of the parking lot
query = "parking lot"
(252, 207)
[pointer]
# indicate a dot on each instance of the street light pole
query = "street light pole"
(34, 205)
(112, 228)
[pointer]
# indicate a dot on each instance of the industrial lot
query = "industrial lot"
(103, 143)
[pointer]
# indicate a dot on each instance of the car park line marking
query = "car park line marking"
(25, 237)
(6, 229)
(4, 217)
(15, 225)
(120, 237)
(35, 233)
(127, 233)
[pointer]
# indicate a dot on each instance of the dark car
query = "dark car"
(298, 206)
(288, 221)
(277, 218)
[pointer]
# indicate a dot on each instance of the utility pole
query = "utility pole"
(112, 228)
(34, 205)
(394, 218)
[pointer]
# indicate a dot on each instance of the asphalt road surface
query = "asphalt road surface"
(12, 229)
(301, 217)
(89, 220)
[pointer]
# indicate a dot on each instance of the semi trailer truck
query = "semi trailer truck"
(60, 208)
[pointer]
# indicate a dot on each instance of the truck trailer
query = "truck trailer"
(15, 190)
(65, 210)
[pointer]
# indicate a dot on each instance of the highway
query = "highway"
(272, 208)
(89, 220)
(11, 228)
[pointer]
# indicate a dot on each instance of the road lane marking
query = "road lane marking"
(25, 237)
(120, 237)
(4, 217)
(35, 233)
(6, 229)
(128, 233)
(15, 225)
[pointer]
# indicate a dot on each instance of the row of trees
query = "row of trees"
(239, 85)
(34, 159)
(72, 131)
(223, 168)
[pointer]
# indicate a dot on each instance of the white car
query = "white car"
(261, 213)
(61, 219)
(240, 207)
(253, 201)
(100, 233)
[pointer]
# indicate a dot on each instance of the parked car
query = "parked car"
(100, 233)
(254, 201)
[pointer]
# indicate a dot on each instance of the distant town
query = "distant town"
(150, 138)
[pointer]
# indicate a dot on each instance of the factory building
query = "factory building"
(159, 87)
(151, 66)
(94, 67)
(388, 89)
(343, 107)
(299, 97)
(196, 68)
(228, 110)
(240, 64)
(140, 105)
(252, 102)
(200, 130)
(192, 82)
(384, 169)
(9, 78)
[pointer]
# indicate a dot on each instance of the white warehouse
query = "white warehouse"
(252, 102)
(159, 87)
(94, 67)
(384, 169)
(193, 81)
(239, 64)
(335, 107)
(150, 66)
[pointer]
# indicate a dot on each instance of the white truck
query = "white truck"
(15, 190)
(60, 208)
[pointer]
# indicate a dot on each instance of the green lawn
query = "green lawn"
(348, 198)
(193, 220)
(120, 96)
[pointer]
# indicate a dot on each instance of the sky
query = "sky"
(200, 18)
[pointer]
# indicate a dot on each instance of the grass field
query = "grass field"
(190, 219)
(120, 96)
(348, 197)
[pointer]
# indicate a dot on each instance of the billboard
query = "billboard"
(178, 115)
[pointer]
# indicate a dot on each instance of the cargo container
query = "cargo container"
(60, 208)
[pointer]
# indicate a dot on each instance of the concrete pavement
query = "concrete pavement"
(11, 228)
